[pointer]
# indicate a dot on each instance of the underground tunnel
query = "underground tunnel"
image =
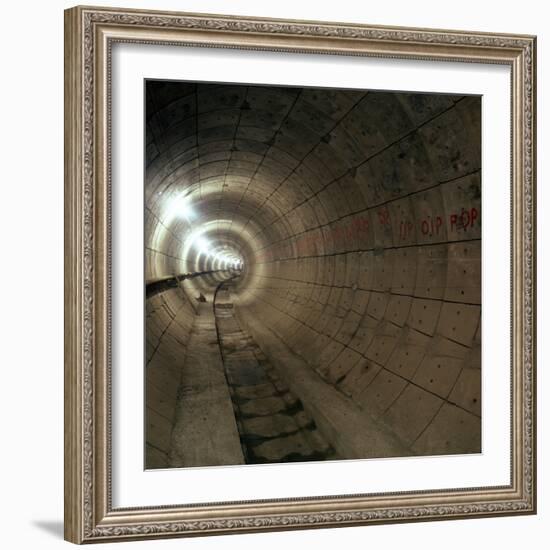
(312, 274)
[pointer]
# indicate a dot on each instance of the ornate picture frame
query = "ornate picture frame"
(90, 34)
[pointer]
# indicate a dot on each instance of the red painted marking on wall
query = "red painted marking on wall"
(338, 234)
(359, 227)
(464, 220)
(384, 216)
(431, 226)
(405, 229)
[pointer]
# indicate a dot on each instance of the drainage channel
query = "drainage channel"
(273, 425)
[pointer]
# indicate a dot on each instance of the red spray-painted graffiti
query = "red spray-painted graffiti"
(357, 230)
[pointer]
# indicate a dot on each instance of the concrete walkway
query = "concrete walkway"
(205, 431)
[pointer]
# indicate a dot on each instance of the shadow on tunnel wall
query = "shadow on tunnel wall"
(313, 274)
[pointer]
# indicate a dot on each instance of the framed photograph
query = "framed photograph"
(300, 274)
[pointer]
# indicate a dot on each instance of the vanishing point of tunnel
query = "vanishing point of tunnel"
(312, 274)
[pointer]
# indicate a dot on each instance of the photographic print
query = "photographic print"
(312, 274)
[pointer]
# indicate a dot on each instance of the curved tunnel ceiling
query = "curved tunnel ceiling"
(355, 217)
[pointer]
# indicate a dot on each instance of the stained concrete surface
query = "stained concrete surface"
(205, 432)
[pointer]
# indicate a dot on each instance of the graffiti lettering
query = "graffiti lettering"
(405, 229)
(359, 226)
(431, 226)
(384, 216)
(465, 219)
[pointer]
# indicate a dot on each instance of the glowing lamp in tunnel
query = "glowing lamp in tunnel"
(203, 245)
(180, 208)
(186, 211)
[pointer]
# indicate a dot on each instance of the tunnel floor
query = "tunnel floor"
(272, 423)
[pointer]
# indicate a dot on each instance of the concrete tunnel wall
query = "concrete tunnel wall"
(357, 217)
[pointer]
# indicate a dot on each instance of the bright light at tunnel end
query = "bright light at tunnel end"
(222, 259)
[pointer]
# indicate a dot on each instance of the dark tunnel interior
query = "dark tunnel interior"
(313, 274)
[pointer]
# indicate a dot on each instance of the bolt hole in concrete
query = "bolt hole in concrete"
(299, 243)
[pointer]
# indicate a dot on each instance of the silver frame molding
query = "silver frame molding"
(89, 35)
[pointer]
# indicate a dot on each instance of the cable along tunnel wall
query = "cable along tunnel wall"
(357, 218)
